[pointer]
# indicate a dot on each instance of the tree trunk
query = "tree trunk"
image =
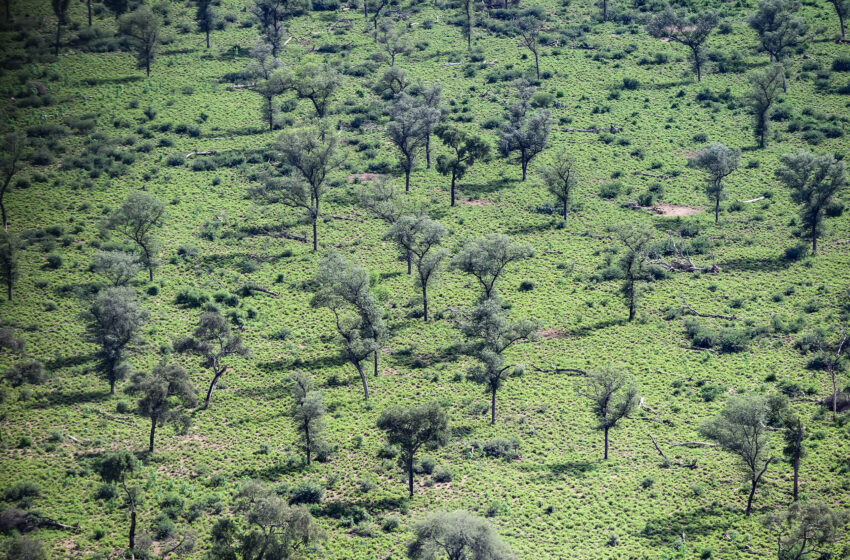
(453, 188)
(524, 165)
(409, 266)
(208, 36)
(111, 383)
(840, 21)
(88, 6)
(604, 10)
(536, 66)
(366, 9)
(58, 35)
(717, 210)
(831, 371)
(814, 239)
(9, 289)
(565, 210)
(428, 151)
(410, 474)
(468, 5)
(3, 212)
(133, 528)
(363, 379)
(606, 443)
(153, 431)
(492, 406)
(407, 180)
(797, 445)
(215, 379)
(750, 498)
(424, 301)
(271, 115)
(307, 439)
(375, 355)
(697, 64)
(148, 66)
(315, 235)
(632, 300)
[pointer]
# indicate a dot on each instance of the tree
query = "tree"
(308, 412)
(690, 30)
(406, 130)
(468, 20)
(394, 42)
(490, 335)
(380, 198)
(487, 257)
(524, 133)
(25, 547)
(136, 219)
(466, 150)
(719, 162)
(12, 155)
(419, 237)
(316, 83)
(60, 10)
(741, 428)
(764, 88)
(118, 267)
(207, 18)
(141, 27)
(115, 318)
(814, 182)
(213, 340)
(613, 397)
(432, 96)
(273, 528)
(411, 428)
(270, 15)
(633, 265)
(794, 434)
(343, 288)
(9, 246)
(164, 395)
(779, 27)
(117, 468)
(806, 531)
(270, 80)
(842, 10)
(528, 28)
(391, 83)
(561, 180)
(456, 535)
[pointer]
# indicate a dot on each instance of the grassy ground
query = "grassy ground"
(558, 499)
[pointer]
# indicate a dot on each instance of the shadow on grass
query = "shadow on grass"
(603, 324)
(121, 80)
(575, 469)
(748, 264)
(68, 361)
(698, 522)
(72, 397)
(475, 190)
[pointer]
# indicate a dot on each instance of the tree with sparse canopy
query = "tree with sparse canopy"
(318, 84)
(308, 412)
(486, 259)
(270, 15)
(814, 182)
(719, 161)
(527, 134)
(779, 27)
(9, 246)
(165, 393)
(842, 10)
(114, 318)
(794, 433)
(207, 18)
(141, 26)
(466, 150)
(382, 200)
(270, 80)
(741, 428)
(394, 41)
(806, 531)
(406, 130)
(10, 160)
(136, 219)
(213, 340)
(419, 238)
(491, 334)
(432, 96)
(690, 30)
(392, 82)
(561, 180)
(528, 29)
(633, 265)
(117, 468)
(613, 397)
(411, 428)
(764, 89)
(468, 20)
(456, 535)
(60, 10)
(118, 267)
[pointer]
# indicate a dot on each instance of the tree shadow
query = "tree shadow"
(698, 522)
(603, 324)
(55, 398)
(121, 80)
(68, 361)
(750, 264)
(575, 469)
(473, 190)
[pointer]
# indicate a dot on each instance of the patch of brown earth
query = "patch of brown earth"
(552, 333)
(672, 211)
(477, 202)
(363, 177)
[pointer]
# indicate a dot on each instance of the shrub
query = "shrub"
(21, 491)
(503, 448)
(307, 493)
(611, 190)
(191, 297)
(30, 371)
(526, 286)
(391, 523)
(841, 64)
(54, 261)
(443, 474)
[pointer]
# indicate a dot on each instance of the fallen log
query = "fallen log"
(263, 290)
(612, 129)
(691, 465)
(691, 311)
(694, 444)
(753, 200)
(654, 176)
(207, 153)
(234, 87)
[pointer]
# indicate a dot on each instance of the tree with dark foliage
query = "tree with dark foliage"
(164, 395)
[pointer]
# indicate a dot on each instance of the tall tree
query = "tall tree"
(114, 320)
(741, 428)
(764, 89)
(432, 96)
(613, 396)
(270, 80)
(466, 150)
(468, 21)
(779, 28)
(136, 219)
(561, 179)
(141, 26)
(419, 237)
(690, 30)
(9, 245)
(380, 198)
(807, 531)
(270, 16)
(164, 395)
(10, 163)
(814, 181)
(412, 428)
(842, 10)
(118, 267)
(393, 41)
(119, 467)
(60, 10)
(308, 412)
(718, 161)
(527, 134)
(213, 341)
(207, 18)
(487, 257)
(318, 84)
(528, 29)
(794, 434)
(634, 265)
(456, 535)
(491, 334)
(406, 130)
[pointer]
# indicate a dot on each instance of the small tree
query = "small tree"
(814, 182)
(60, 10)
(9, 246)
(407, 129)
(164, 395)
(794, 434)
(779, 28)
(411, 428)
(490, 335)
(523, 133)
(842, 10)
(528, 29)
(613, 397)
(391, 83)
(633, 265)
(380, 198)
(308, 412)
(118, 267)
(806, 531)
(394, 42)
(117, 468)
(207, 18)
(466, 150)
(764, 89)
(456, 535)
(10, 161)
(136, 219)
(270, 80)
(561, 180)
(270, 16)
(486, 259)
(690, 30)
(141, 27)
(316, 83)
(719, 162)
(741, 428)
(213, 340)
(114, 318)
(419, 237)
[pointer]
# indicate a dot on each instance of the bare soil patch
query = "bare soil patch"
(364, 177)
(671, 210)
(477, 202)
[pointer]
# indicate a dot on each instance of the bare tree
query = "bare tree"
(394, 41)
(528, 29)
(690, 30)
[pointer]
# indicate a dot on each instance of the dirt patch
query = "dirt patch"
(552, 333)
(689, 154)
(671, 210)
(477, 202)
(363, 177)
